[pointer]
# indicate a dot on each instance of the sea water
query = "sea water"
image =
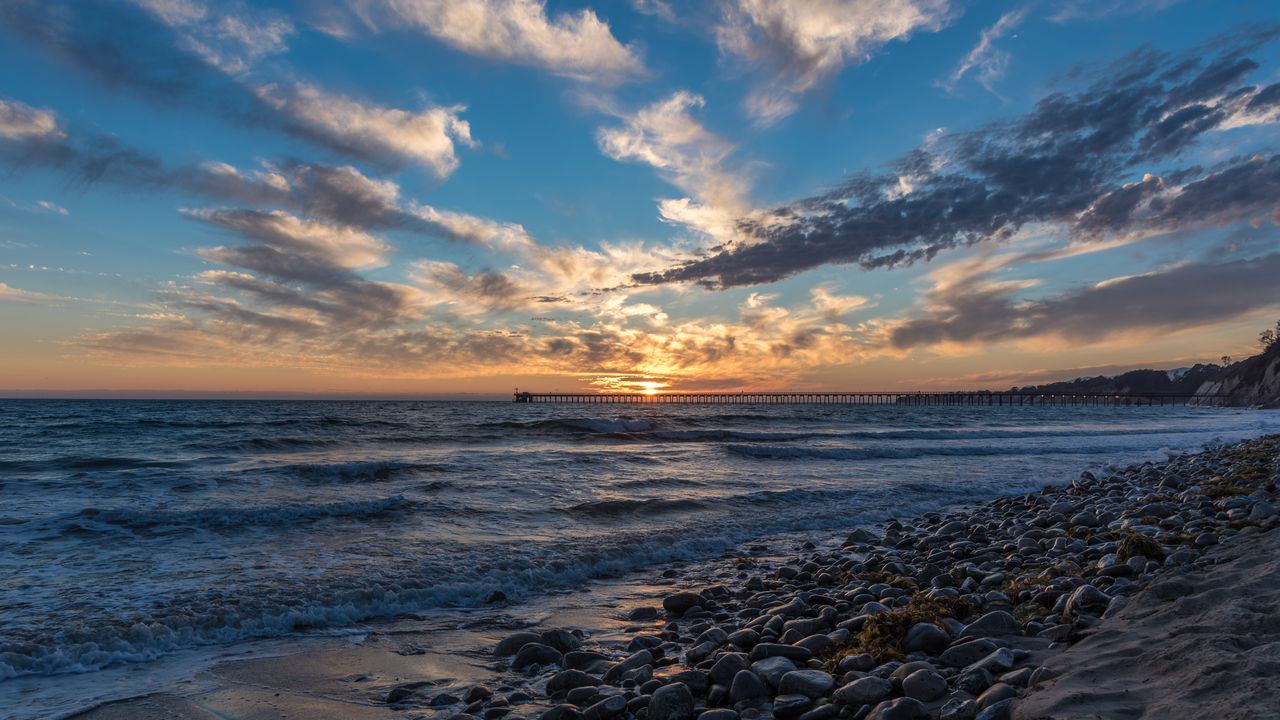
(133, 530)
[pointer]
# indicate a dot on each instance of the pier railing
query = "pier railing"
(874, 398)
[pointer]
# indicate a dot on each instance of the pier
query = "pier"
(981, 397)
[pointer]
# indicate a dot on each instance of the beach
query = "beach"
(1142, 592)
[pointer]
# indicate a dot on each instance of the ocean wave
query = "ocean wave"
(792, 452)
(578, 425)
(358, 471)
(87, 463)
(236, 517)
(648, 506)
(660, 482)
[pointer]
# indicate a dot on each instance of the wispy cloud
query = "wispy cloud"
(1064, 163)
(138, 51)
(801, 43)
(577, 45)
(985, 58)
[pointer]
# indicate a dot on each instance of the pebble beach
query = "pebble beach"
(955, 616)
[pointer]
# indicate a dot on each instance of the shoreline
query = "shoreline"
(839, 615)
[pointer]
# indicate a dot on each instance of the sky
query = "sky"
(451, 197)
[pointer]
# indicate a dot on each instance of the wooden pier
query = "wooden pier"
(873, 398)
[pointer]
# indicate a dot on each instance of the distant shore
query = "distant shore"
(1085, 600)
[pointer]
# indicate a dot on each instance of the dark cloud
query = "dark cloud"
(123, 47)
(1182, 297)
(1064, 162)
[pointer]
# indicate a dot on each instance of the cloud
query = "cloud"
(985, 57)
(369, 131)
(52, 207)
(122, 47)
(1183, 297)
(576, 45)
(666, 136)
(803, 42)
(231, 42)
(8, 293)
(22, 122)
(1065, 163)
(285, 246)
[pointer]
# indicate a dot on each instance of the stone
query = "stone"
(589, 662)
(535, 653)
(609, 707)
(643, 612)
(900, 709)
(958, 708)
(926, 638)
(1085, 599)
(1002, 710)
(809, 683)
(727, 667)
(789, 706)
(791, 652)
(567, 680)
(747, 687)
(477, 692)
(400, 693)
(1206, 539)
(772, 669)
(635, 660)
(996, 623)
(561, 640)
(998, 662)
(745, 639)
(512, 643)
(995, 694)
(671, 702)
(974, 681)
(967, 652)
(1041, 674)
(856, 663)
(860, 537)
(924, 685)
(681, 602)
(821, 712)
(562, 712)
(718, 714)
(1262, 510)
(863, 691)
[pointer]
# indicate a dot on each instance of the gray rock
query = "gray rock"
(562, 712)
(671, 702)
(856, 663)
(772, 669)
(535, 653)
(810, 683)
(609, 707)
(926, 638)
(567, 680)
(477, 692)
(1085, 599)
(821, 712)
(900, 709)
(1041, 674)
(860, 537)
(966, 653)
(1262, 510)
(562, 640)
(510, 644)
(1206, 539)
(996, 693)
(996, 663)
(681, 602)
(792, 652)
(974, 681)
(789, 706)
(718, 714)
(747, 687)
(590, 662)
(994, 624)
(1002, 710)
(958, 708)
(400, 693)
(924, 685)
(863, 691)
(726, 667)
(636, 660)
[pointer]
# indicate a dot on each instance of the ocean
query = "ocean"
(134, 530)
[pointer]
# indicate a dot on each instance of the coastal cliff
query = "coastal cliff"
(1253, 381)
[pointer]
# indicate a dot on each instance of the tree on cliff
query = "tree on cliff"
(1270, 337)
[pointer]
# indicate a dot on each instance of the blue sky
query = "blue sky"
(430, 196)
